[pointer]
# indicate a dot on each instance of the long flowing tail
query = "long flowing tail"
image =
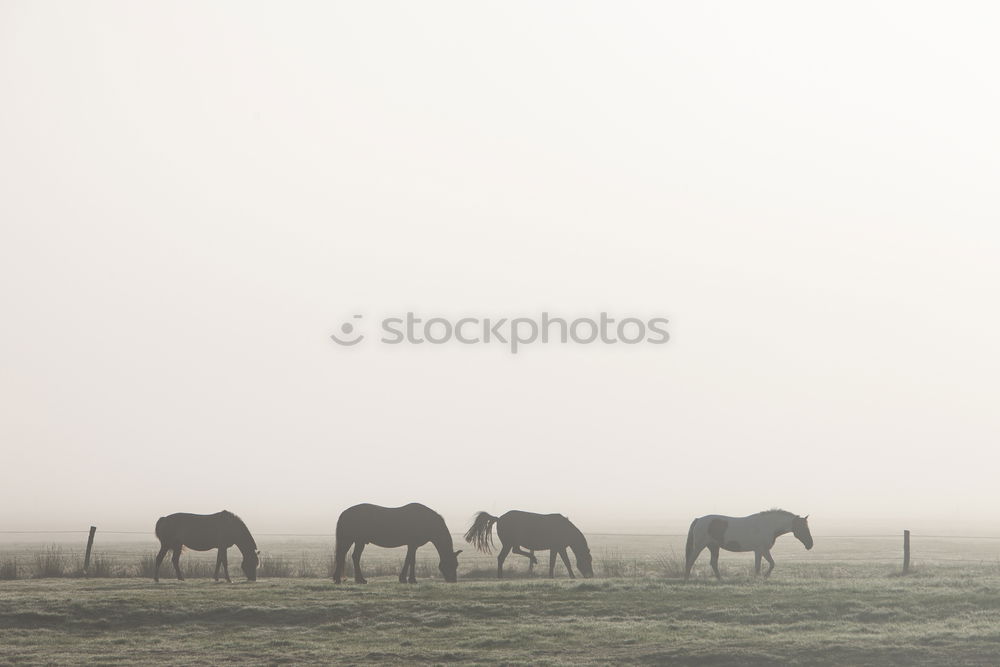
(480, 534)
(689, 548)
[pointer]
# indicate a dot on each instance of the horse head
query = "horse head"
(449, 566)
(250, 562)
(800, 528)
(578, 543)
(585, 563)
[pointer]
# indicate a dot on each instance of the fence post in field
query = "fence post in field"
(906, 551)
(90, 545)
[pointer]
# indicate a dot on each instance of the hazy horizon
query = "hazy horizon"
(193, 198)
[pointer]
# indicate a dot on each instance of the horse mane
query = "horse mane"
(576, 531)
(446, 539)
(776, 510)
(241, 523)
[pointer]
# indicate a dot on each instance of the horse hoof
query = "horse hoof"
(361, 581)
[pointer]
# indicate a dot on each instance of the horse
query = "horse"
(202, 532)
(412, 525)
(755, 533)
(518, 530)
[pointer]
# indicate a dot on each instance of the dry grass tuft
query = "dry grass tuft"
(9, 569)
(275, 567)
(53, 562)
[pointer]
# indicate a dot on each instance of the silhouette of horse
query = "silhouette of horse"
(538, 532)
(413, 525)
(755, 533)
(202, 532)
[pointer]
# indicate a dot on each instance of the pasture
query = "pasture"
(842, 603)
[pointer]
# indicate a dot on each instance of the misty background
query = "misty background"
(193, 197)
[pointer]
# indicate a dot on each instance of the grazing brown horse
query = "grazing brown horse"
(202, 532)
(412, 525)
(519, 530)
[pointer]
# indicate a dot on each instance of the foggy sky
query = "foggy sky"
(194, 197)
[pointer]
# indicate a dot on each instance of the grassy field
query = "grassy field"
(842, 603)
(840, 615)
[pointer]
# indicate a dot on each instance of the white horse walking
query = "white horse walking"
(755, 533)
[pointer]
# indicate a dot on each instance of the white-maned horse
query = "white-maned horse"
(755, 533)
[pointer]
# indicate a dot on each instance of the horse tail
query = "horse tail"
(480, 533)
(161, 528)
(342, 538)
(689, 547)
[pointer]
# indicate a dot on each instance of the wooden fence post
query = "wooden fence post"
(90, 545)
(906, 551)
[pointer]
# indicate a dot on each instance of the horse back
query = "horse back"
(390, 526)
(535, 531)
(731, 533)
(196, 531)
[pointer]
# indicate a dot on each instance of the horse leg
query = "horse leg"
(339, 558)
(500, 559)
(225, 563)
(756, 562)
(218, 564)
(530, 555)
(532, 562)
(565, 559)
(715, 561)
(413, 567)
(409, 565)
(176, 560)
(552, 562)
(359, 547)
(691, 558)
(159, 559)
(406, 567)
(770, 563)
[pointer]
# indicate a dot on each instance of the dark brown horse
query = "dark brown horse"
(526, 530)
(202, 532)
(412, 525)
